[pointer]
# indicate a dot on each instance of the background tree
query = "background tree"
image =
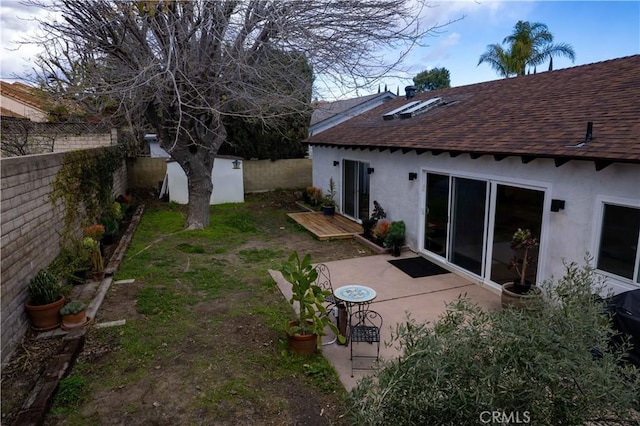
(528, 46)
(188, 65)
(251, 137)
(437, 78)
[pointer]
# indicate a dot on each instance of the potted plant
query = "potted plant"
(97, 263)
(45, 300)
(380, 232)
(395, 237)
(329, 201)
(74, 314)
(305, 332)
(111, 229)
(368, 224)
(516, 292)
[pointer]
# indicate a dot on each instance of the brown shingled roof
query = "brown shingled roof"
(541, 115)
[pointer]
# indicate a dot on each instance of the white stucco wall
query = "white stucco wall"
(568, 234)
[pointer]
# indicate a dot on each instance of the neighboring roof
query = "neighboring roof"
(26, 94)
(327, 110)
(542, 115)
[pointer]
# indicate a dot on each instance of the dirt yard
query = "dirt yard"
(164, 392)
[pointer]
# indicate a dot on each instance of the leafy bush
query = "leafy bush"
(548, 364)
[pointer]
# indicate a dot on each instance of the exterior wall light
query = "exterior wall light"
(413, 176)
(236, 164)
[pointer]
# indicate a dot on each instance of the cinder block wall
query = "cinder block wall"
(66, 143)
(258, 175)
(145, 172)
(266, 175)
(30, 233)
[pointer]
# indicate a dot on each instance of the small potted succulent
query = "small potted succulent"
(305, 332)
(45, 300)
(74, 314)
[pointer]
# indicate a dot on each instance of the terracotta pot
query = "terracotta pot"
(45, 317)
(302, 344)
(74, 320)
(510, 298)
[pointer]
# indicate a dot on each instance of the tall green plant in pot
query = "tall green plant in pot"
(521, 291)
(45, 300)
(395, 237)
(329, 202)
(305, 332)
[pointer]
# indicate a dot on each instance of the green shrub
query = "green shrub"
(535, 365)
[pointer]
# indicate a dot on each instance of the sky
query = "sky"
(597, 31)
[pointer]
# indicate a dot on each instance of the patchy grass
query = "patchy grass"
(206, 344)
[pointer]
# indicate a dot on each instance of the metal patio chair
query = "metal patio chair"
(324, 282)
(364, 327)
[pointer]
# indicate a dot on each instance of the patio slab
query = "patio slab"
(397, 295)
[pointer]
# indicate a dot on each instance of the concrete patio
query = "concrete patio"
(397, 294)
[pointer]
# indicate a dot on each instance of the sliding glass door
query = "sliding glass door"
(355, 189)
(514, 208)
(437, 214)
(469, 223)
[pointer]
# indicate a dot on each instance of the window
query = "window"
(618, 251)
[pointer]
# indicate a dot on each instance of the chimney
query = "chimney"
(410, 91)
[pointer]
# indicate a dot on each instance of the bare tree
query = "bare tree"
(186, 65)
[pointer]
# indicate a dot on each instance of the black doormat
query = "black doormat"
(417, 267)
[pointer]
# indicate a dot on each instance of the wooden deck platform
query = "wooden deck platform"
(327, 227)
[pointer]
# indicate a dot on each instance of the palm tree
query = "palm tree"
(528, 46)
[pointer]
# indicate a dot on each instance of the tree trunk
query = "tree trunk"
(195, 152)
(200, 190)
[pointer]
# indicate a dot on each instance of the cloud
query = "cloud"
(18, 24)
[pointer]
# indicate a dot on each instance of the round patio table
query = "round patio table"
(354, 295)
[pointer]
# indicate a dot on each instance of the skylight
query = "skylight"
(416, 109)
(391, 114)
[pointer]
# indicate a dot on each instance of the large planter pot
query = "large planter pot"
(510, 298)
(328, 210)
(74, 320)
(302, 344)
(45, 317)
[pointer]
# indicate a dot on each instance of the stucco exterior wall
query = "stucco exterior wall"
(23, 109)
(568, 234)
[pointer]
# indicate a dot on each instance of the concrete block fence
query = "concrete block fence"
(30, 225)
(258, 175)
(30, 233)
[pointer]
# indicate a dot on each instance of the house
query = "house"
(18, 100)
(556, 152)
(328, 114)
